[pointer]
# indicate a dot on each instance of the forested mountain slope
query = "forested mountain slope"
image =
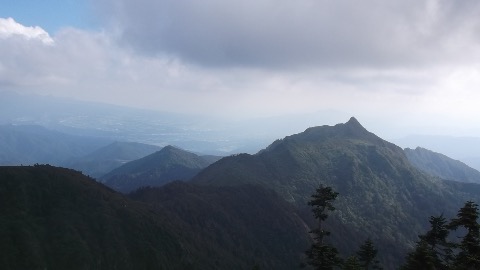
(442, 166)
(54, 218)
(243, 220)
(382, 196)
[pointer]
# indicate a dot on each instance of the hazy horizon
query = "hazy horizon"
(400, 67)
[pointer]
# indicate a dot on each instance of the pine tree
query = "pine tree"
(421, 258)
(367, 256)
(433, 251)
(322, 256)
(352, 263)
(468, 256)
(436, 239)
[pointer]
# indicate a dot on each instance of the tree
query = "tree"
(421, 258)
(468, 256)
(436, 240)
(367, 254)
(434, 251)
(352, 263)
(322, 256)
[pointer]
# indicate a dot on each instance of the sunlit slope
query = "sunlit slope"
(382, 195)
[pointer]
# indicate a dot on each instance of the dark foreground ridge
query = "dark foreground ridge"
(55, 218)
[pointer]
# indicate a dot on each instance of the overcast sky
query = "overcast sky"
(398, 64)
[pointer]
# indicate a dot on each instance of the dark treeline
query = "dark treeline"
(323, 256)
(435, 250)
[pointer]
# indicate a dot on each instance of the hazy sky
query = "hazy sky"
(398, 64)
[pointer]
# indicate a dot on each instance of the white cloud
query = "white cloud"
(10, 28)
(396, 62)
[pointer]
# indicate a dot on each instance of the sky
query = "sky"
(399, 66)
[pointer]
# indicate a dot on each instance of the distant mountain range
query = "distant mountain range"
(200, 134)
(25, 144)
(442, 166)
(117, 123)
(465, 149)
(112, 156)
(157, 169)
(28, 145)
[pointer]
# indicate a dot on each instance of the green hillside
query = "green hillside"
(382, 196)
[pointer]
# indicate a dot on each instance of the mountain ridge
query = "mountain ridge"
(50, 217)
(168, 164)
(442, 166)
(57, 218)
(381, 194)
(30, 144)
(110, 157)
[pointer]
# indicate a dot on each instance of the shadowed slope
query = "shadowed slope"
(54, 218)
(241, 219)
(59, 219)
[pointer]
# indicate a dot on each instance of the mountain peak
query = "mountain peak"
(354, 127)
(353, 122)
(169, 148)
(171, 151)
(170, 163)
(351, 130)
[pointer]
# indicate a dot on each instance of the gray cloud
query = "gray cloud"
(287, 33)
(407, 60)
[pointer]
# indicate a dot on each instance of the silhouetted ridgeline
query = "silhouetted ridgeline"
(54, 218)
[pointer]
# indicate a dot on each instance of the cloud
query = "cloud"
(405, 60)
(286, 34)
(91, 66)
(10, 28)
(30, 58)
